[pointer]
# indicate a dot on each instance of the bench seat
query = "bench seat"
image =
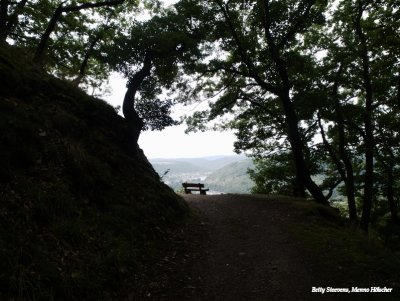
(189, 187)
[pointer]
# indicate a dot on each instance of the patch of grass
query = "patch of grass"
(344, 256)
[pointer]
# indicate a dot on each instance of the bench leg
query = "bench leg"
(202, 192)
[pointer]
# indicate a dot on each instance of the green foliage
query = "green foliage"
(274, 175)
(156, 114)
(72, 35)
(232, 178)
(171, 41)
(340, 67)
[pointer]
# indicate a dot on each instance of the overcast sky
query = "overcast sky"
(173, 142)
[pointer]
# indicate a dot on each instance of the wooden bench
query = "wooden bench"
(189, 187)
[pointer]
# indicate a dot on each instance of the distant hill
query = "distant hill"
(210, 163)
(232, 178)
(162, 166)
(175, 171)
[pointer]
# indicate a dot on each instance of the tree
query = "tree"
(355, 48)
(368, 124)
(150, 57)
(292, 71)
(258, 55)
(332, 112)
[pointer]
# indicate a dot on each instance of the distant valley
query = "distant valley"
(221, 174)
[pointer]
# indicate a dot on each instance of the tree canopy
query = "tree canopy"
(311, 87)
(314, 79)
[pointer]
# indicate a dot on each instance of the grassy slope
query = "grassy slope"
(343, 256)
(79, 212)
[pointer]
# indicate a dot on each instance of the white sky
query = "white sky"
(173, 142)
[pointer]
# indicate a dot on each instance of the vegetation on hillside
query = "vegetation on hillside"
(81, 210)
(232, 178)
(341, 256)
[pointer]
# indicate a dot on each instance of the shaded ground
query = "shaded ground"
(240, 248)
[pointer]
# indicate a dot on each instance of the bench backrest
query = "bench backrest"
(199, 185)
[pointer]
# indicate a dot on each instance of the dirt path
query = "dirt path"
(249, 256)
(237, 250)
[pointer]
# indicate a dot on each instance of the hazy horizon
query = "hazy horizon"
(201, 157)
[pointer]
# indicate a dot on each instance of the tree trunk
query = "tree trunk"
(46, 35)
(282, 91)
(349, 181)
(302, 172)
(3, 20)
(82, 69)
(348, 166)
(390, 194)
(296, 143)
(299, 189)
(128, 107)
(398, 91)
(369, 138)
(389, 167)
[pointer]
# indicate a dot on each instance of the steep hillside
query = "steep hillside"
(232, 178)
(81, 210)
